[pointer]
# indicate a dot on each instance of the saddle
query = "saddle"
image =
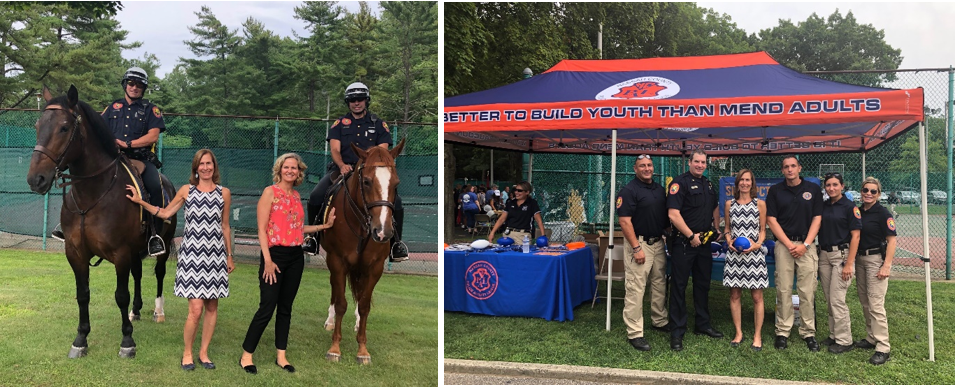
(135, 169)
(338, 181)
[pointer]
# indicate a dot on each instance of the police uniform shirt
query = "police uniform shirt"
(878, 223)
(364, 132)
(696, 199)
(521, 217)
(838, 220)
(646, 205)
(795, 207)
(130, 121)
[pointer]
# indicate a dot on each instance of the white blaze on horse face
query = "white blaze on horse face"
(384, 176)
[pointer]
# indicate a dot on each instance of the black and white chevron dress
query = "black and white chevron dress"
(201, 270)
(746, 271)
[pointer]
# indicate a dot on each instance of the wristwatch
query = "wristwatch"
(129, 144)
(807, 245)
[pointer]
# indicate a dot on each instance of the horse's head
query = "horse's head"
(56, 130)
(378, 187)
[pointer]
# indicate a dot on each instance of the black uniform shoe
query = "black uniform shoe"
(838, 349)
(812, 344)
(677, 343)
(780, 342)
(879, 358)
(58, 234)
(310, 245)
(666, 328)
(156, 246)
(639, 344)
(864, 344)
(399, 252)
(828, 342)
(709, 332)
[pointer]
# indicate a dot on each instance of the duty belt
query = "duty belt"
(873, 251)
(508, 230)
(835, 247)
(797, 238)
(650, 240)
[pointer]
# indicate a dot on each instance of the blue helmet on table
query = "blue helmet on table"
(542, 241)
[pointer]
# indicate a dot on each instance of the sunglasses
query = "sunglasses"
(519, 190)
(135, 84)
(642, 157)
(832, 175)
(867, 190)
(354, 99)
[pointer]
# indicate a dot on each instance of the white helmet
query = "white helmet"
(357, 90)
(137, 74)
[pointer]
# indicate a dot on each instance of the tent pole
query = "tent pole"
(491, 165)
(530, 165)
(864, 174)
(929, 295)
(610, 227)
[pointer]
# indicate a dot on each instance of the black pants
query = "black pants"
(155, 189)
(687, 260)
(276, 297)
(318, 194)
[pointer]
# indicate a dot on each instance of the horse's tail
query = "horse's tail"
(357, 283)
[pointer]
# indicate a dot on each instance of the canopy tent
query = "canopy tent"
(727, 104)
(739, 104)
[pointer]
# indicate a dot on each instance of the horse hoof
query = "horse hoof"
(76, 352)
(127, 353)
(159, 318)
(333, 357)
(363, 360)
(329, 327)
(134, 317)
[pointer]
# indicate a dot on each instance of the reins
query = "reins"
(364, 212)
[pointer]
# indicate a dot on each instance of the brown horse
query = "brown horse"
(357, 245)
(96, 217)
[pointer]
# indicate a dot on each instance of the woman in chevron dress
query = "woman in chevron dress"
(205, 256)
(746, 269)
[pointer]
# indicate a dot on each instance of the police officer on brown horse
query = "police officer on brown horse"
(365, 130)
(136, 123)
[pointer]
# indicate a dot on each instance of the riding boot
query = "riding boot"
(310, 244)
(155, 245)
(58, 234)
(399, 251)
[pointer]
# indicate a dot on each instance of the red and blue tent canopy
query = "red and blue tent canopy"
(725, 104)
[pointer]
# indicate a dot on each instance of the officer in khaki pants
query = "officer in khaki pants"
(642, 213)
(794, 210)
(873, 264)
(839, 239)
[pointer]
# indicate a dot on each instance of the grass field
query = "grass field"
(585, 342)
(39, 316)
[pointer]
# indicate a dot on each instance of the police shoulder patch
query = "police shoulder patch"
(620, 201)
(856, 212)
(807, 196)
(385, 125)
(674, 188)
(335, 123)
(117, 106)
(156, 112)
(891, 223)
(346, 121)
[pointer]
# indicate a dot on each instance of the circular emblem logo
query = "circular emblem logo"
(346, 121)
(674, 188)
(620, 201)
(481, 280)
(891, 224)
(641, 88)
(117, 106)
(807, 196)
(856, 212)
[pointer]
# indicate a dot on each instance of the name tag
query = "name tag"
(371, 130)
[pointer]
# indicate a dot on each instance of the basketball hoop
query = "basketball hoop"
(719, 162)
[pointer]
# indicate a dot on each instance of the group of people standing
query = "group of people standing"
(205, 257)
(816, 235)
(471, 200)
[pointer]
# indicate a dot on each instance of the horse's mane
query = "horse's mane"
(100, 130)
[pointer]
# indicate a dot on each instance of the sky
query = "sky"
(923, 31)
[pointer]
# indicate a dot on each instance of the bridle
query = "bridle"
(364, 211)
(57, 161)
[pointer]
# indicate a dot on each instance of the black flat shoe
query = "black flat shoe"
(188, 367)
(209, 366)
(666, 328)
(756, 348)
(879, 358)
(709, 332)
(734, 344)
(287, 367)
(639, 344)
(250, 369)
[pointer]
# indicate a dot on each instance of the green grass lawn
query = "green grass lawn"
(39, 316)
(585, 342)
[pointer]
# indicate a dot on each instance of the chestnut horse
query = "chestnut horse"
(357, 244)
(96, 217)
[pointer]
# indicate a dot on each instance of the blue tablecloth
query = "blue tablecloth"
(516, 284)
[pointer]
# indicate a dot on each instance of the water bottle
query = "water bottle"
(526, 245)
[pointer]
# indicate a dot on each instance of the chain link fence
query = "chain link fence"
(573, 191)
(245, 148)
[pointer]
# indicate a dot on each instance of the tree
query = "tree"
(319, 61)
(410, 44)
(214, 78)
(361, 35)
(466, 41)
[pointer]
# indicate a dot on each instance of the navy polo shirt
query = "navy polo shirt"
(837, 221)
(878, 223)
(364, 132)
(696, 199)
(795, 207)
(130, 121)
(646, 205)
(521, 217)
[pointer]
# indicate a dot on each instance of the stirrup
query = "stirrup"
(310, 245)
(154, 249)
(57, 233)
(399, 252)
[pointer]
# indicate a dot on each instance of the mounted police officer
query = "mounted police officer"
(365, 130)
(692, 209)
(136, 123)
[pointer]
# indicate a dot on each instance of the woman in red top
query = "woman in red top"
(281, 224)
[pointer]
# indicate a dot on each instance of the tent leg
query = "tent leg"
(929, 295)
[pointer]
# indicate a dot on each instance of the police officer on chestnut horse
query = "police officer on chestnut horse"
(365, 130)
(136, 123)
